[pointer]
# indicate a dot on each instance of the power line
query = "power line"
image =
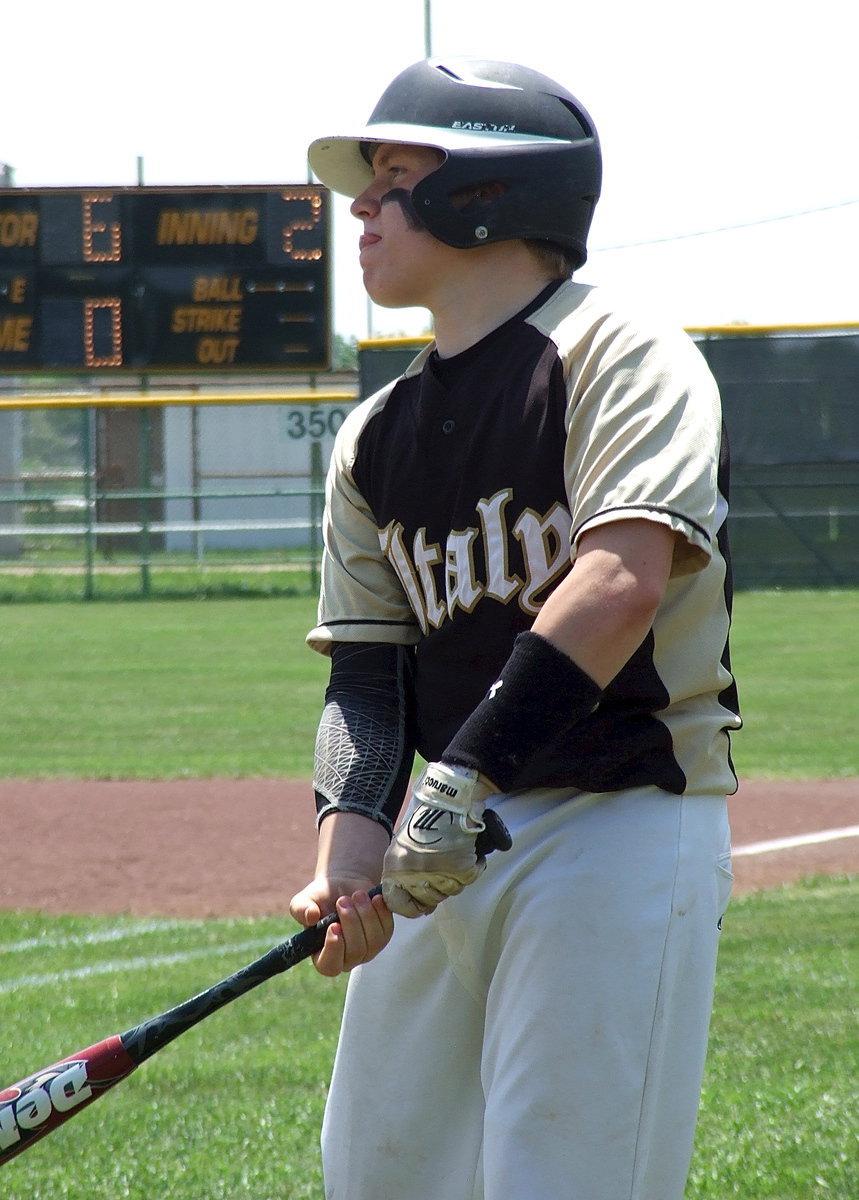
(678, 237)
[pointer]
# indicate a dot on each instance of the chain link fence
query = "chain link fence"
(156, 493)
(151, 495)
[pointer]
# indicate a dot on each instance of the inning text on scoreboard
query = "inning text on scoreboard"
(164, 279)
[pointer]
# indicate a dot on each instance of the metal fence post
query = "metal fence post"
(145, 430)
(88, 419)
(196, 504)
(317, 503)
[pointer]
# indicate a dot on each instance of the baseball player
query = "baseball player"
(526, 581)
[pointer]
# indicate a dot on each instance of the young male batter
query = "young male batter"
(526, 579)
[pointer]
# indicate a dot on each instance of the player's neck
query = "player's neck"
(469, 306)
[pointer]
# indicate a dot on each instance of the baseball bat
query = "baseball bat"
(45, 1100)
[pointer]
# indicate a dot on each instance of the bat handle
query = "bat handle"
(144, 1040)
(311, 939)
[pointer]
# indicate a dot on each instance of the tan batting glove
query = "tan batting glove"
(433, 853)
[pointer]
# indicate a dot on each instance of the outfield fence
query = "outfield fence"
(161, 492)
(151, 491)
(790, 396)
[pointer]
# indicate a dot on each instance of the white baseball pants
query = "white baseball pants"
(541, 1036)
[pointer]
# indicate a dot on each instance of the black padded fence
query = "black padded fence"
(791, 405)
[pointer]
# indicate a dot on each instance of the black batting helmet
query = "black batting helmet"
(495, 123)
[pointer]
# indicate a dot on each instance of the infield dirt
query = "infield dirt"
(243, 847)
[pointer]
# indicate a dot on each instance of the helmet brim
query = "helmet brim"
(339, 163)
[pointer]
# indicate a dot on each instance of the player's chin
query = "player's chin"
(388, 292)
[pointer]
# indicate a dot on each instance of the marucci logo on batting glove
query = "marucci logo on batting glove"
(442, 844)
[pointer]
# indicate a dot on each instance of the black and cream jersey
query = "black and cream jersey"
(455, 500)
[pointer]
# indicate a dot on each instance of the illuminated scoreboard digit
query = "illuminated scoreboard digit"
(169, 279)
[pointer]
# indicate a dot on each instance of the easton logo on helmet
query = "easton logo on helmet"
(483, 126)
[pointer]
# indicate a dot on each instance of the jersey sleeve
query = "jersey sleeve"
(644, 433)
(361, 597)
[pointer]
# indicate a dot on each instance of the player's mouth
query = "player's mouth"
(367, 239)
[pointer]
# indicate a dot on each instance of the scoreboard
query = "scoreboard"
(105, 280)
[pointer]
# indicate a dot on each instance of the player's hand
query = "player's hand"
(363, 928)
(442, 843)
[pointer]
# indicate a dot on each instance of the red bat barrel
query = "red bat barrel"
(38, 1104)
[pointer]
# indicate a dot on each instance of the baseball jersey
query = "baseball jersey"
(456, 498)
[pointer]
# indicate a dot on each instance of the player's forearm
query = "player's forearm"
(602, 612)
(585, 633)
(599, 631)
(350, 846)
(365, 740)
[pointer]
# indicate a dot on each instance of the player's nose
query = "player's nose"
(368, 203)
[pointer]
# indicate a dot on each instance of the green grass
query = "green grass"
(166, 577)
(781, 1097)
(176, 688)
(157, 690)
(233, 1107)
(795, 656)
(227, 687)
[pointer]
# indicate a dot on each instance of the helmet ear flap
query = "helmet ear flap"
(478, 197)
(531, 192)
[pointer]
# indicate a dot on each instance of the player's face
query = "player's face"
(399, 258)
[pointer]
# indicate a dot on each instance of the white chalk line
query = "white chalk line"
(136, 929)
(141, 963)
(798, 840)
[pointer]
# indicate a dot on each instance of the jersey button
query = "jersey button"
(448, 427)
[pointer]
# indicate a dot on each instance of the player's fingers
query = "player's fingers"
(364, 928)
(315, 900)
(304, 910)
(363, 932)
(330, 959)
(376, 918)
(345, 944)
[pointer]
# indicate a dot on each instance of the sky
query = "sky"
(731, 160)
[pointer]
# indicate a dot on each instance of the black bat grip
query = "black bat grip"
(307, 941)
(146, 1039)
